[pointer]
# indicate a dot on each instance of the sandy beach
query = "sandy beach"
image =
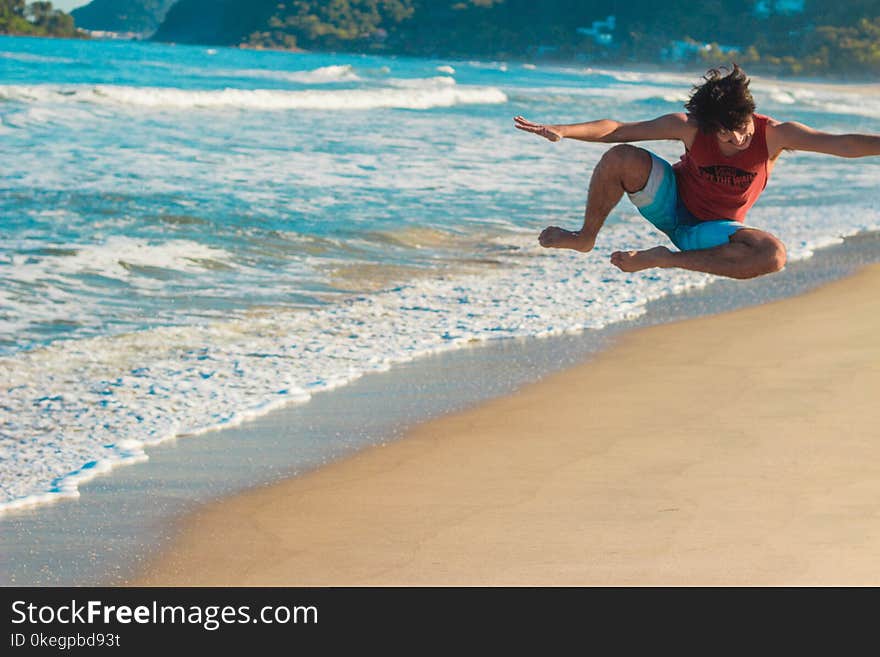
(736, 449)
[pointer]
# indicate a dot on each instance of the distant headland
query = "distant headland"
(783, 37)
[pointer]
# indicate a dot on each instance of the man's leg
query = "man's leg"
(749, 253)
(623, 168)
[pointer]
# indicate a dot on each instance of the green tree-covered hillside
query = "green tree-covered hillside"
(798, 36)
(36, 19)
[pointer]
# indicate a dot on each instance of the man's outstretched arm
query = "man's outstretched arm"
(668, 126)
(799, 137)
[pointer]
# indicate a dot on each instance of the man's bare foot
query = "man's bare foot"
(630, 261)
(559, 238)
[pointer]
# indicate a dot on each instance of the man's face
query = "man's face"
(738, 139)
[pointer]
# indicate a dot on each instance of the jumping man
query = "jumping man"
(700, 202)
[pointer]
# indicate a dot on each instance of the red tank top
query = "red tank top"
(714, 186)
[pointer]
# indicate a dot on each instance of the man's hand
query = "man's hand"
(550, 132)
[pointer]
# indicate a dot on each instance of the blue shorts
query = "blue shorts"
(658, 202)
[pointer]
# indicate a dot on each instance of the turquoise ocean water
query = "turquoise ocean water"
(191, 236)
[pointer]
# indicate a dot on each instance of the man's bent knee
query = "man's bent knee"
(770, 255)
(631, 163)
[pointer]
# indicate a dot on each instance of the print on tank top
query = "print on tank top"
(724, 175)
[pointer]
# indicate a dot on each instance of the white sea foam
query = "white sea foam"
(783, 97)
(653, 77)
(856, 102)
(418, 97)
(492, 66)
(440, 81)
(40, 288)
(115, 258)
(321, 75)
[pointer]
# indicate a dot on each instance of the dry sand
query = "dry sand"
(736, 449)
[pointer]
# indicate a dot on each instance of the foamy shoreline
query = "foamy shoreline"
(735, 449)
(124, 518)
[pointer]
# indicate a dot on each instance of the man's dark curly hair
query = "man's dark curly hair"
(723, 101)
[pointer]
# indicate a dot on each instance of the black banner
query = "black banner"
(125, 620)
